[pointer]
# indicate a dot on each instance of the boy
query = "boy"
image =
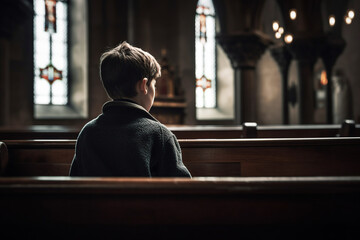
(125, 140)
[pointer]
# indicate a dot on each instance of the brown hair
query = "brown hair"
(123, 66)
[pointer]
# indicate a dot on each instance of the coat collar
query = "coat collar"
(125, 103)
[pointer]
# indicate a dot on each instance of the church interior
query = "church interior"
(262, 96)
(258, 75)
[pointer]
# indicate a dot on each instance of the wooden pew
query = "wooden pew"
(272, 157)
(247, 130)
(39, 132)
(3, 158)
(210, 157)
(348, 129)
(39, 157)
(173, 208)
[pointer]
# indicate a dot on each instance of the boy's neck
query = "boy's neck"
(127, 99)
(133, 100)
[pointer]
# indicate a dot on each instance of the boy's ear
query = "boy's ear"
(143, 86)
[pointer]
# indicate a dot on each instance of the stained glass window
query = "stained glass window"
(51, 52)
(205, 56)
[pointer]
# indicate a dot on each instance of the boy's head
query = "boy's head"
(122, 67)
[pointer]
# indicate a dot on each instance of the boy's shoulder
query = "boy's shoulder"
(143, 122)
(155, 124)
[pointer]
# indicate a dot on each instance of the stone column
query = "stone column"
(305, 51)
(244, 50)
(4, 81)
(283, 58)
(12, 14)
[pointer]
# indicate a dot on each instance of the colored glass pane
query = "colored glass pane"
(205, 55)
(51, 47)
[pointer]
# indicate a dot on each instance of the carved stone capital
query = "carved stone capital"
(331, 48)
(282, 56)
(244, 49)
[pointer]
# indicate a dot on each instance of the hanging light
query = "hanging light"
(281, 30)
(351, 14)
(332, 20)
(277, 35)
(348, 20)
(275, 26)
(293, 14)
(349, 17)
(288, 38)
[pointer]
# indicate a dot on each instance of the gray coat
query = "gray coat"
(125, 140)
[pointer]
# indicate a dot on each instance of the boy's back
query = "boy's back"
(127, 141)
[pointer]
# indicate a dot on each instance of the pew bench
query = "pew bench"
(175, 208)
(246, 130)
(211, 157)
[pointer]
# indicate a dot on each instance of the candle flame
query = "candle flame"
(323, 78)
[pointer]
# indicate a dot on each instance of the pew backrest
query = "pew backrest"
(273, 157)
(39, 157)
(150, 205)
(212, 157)
(348, 128)
(252, 130)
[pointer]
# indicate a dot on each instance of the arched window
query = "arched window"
(60, 59)
(205, 54)
(51, 52)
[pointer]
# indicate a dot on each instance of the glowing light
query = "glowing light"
(281, 30)
(331, 20)
(278, 35)
(293, 14)
(288, 38)
(348, 20)
(323, 78)
(351, 14)
(275, 26)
